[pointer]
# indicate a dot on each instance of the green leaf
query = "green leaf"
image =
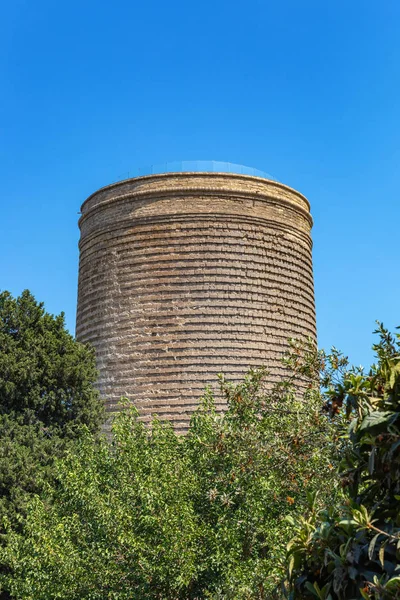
(348, 523)
(371, 461)
(394, 582)
(314, 589)
(371, 546)
(394, 374)
(382, 554)
(325, 590)
(291, 566)
(382, 418)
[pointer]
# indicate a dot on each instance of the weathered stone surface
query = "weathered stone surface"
(186, 275)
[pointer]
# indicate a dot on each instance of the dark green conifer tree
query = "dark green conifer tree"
(47, 398)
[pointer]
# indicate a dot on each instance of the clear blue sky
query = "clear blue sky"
(308, 91)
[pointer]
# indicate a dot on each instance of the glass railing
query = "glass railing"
(196, 166)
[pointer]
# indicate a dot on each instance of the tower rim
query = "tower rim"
(199, 174)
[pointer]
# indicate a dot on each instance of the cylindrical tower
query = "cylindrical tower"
(185, 275)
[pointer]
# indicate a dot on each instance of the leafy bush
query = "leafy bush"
(353, 551)
(156, 515)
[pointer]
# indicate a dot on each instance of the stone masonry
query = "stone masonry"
(186, 275)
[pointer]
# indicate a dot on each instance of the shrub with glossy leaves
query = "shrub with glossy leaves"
(353, 551)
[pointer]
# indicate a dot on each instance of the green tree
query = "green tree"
(160, 516)
(46, 397)
(45, 374)
(353, 550)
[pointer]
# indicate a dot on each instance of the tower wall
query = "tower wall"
(186, 275)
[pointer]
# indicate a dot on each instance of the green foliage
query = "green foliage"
(45, 375)
(46, 397)
(27, 453)
(353, 551)
(156, 515)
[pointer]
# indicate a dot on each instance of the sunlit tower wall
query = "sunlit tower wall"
(185, 275)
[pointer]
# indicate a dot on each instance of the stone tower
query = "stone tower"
(185, 275)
